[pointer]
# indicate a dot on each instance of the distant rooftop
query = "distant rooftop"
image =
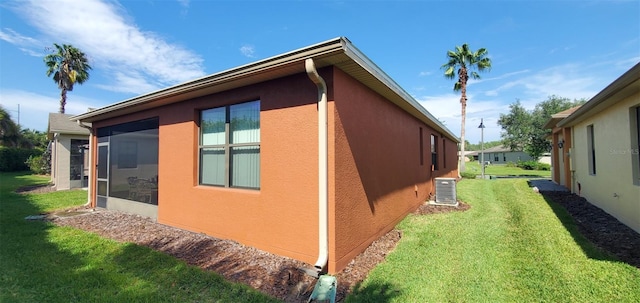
(61, 123)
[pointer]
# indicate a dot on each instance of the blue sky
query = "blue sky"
(571, 49)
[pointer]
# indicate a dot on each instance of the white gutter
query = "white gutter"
(91, 168)
(323, 201)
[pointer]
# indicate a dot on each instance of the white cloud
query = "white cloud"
(24, 43)
(131, 82)
(248, 51)
(567, 80)
(447, 109)
(35, 108)
(113, 42)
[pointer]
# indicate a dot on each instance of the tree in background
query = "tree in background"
(69, 66)
(20, 148)
(523, 130)
(516, 127)
(477, 147)
(465, 61)
(9, 130)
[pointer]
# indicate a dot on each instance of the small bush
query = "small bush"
(544, 166)
(533, 165)
(511, 164)
(40, 165)
(468, 175)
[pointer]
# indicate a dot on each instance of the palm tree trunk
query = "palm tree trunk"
(463, 101)
(462, 74)
(63, 100)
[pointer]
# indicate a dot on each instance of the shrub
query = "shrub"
(533, 165)
(528, 165)
(40, 165)
(13, 159)
(511, 164)
(544, 166)
(468, 175)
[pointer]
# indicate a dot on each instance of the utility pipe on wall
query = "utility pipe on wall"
(323, 201)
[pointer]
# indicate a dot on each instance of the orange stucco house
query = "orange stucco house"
(312, 154)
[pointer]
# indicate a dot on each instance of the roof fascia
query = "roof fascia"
(243, 71)
(356, 55)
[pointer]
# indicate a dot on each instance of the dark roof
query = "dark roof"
(62, 123)
(557, 117)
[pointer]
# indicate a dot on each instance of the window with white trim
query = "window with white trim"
(230, 146)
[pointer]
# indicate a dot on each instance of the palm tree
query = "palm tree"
(68, 66)
(465, 60)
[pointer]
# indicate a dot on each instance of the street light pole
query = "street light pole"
(481, 127)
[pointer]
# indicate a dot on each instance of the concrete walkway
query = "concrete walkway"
(546, 185)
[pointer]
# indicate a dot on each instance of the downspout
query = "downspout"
(323, 201)
(91, 168)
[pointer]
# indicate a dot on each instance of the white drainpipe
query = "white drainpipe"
(91, 168)
(323, 201)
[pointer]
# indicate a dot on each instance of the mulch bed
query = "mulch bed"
(274, 275)
(277, 276)
(600, 228)
(283, 278)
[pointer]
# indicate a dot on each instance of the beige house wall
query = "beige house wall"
(60, 162)
(612, 186)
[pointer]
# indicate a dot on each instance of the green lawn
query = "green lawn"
(511, 246)
(504, 170)
(40, 262)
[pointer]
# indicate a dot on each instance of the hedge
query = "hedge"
(13, 159)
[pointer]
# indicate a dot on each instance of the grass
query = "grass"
(504, 170)
(41, 262)
(511, 246)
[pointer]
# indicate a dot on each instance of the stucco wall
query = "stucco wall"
(379, 177)
(611, 188)
(282, 216)
(374, 168)
(60, 162)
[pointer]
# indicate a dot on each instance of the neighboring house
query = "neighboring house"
(467, 154)
(69, 157)
(560, 168)
(312, 154)
(501, 155)
(597, 151)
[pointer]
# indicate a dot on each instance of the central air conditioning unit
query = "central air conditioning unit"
(446, 191)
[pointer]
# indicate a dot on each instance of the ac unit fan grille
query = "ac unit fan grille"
(446, 190)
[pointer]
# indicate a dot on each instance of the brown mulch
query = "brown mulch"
(35, 189)
(282, 278)
(600, 228)
(274, 275)
(277, 276)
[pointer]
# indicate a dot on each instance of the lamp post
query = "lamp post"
(481, 127)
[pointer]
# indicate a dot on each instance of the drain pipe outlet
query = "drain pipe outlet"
(90, 161)
(323, 201)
